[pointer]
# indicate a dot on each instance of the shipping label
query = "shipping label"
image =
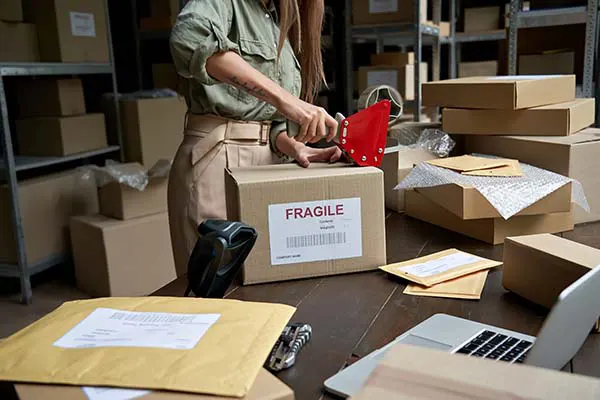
(383, 6)
(83, 24)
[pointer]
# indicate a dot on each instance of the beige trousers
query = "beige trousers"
(197, 180)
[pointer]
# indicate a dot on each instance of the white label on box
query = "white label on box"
(383, 6)
(83, 24)
(520, 77)
(106, 327)
(315, 231)
(106, 393)
(383, 77)
(440, 265)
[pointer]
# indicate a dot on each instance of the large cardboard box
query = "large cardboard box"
(561, 119)
(397, 59)
(574, 156)
(18, 42)
(477, 68)
(11, 10)
(367, 12)
(122, 258)
(323, 220)
(401, 78)
(489, 230)
(500, 92)
(72, 31)
(548, 63)
(46, 204)
(164, 76)
(50, 97)
(61, 136)
(152, 128)
(482, 19)
(121, 201)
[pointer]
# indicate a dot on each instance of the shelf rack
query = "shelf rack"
(11, 164)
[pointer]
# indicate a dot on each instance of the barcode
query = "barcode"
(322, 239)
(152, 317)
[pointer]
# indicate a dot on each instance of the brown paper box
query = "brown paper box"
(401, 78)
(467, 203)
(574, 156)
(477, 68)
(554, 120)
(489, 230)
(122, 258)
(161, 8)
(18, 42)
(50, 98)
(45, 223)
(11, 10)
(366, 12)
(252, 192)
(482, 19)
(500, 92)
(397, 59)
(123, 202)
(61, 136)
(550, 63)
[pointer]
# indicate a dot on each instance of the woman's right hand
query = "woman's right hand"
(315, 123)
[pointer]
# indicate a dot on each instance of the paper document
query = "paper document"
(106, 327)
(106, 393)
(440, 265)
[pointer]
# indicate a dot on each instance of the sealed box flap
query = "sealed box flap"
(561, 248)
(203, 346)
(417, 373)
(279, 172)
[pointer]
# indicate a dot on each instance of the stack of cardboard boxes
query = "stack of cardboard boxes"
(480, 20)
(18, 40)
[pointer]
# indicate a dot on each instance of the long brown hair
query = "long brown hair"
(301, 22)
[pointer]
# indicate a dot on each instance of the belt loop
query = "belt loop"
(228, 127)
(264, 133)
(186, 119)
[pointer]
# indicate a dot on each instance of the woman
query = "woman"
(252, 65)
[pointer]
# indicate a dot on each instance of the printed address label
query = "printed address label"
(383, 6)
(83, 24)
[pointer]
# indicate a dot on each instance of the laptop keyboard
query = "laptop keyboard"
(496, 346)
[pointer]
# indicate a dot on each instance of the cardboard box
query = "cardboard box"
(468, 203)
(367, 12)
(50, 98)
(477, 68)
(123, 202)
(165, 7)
(164, 76)
(122, 258)
(482, 19)
(18, 42)
(11, 10)
(323, 220)
(500, 92)
(153, 24)
(152, 128)
(548, 63)
(561, 119)
(397, 59)
(45, 223)
(489, 230)
(574, 156)
(402, 78)
(71, 31)
(61, 136)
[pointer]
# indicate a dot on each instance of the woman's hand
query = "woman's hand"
(303, 154)
(315, 123)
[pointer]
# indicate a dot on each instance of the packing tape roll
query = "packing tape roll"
(374, 94)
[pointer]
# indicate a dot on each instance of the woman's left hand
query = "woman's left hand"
(305, 155)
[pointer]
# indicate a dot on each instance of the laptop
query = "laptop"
(576, 311)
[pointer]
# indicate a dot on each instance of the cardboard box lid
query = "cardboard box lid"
(587, 135)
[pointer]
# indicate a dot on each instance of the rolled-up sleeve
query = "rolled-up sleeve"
(200, 31)
(277, 128)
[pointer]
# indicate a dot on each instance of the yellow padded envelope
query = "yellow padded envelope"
(225, 361)
(467, 287)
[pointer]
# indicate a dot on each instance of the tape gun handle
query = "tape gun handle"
(293, 128)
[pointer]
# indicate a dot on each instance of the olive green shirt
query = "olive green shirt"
(247, 27)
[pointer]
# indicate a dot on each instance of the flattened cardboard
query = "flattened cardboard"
(481, 19)
(575, 156)
(50, 98)
(467, 287)
(548, 63)
(469, 163)
(120, 201)
(554, 120)
(404, 79)
(18, 42)
(477, 68)
(489, 230)
(500, 92)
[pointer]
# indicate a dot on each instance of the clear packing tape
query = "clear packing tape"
(508, 195)
(133, 175)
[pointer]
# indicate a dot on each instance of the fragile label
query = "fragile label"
(440, 265)
(315, 231)
(83, 24)
(385, 77)
(383, 6)
(107, 393)
(106, 327)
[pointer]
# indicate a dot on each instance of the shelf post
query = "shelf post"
(589, 61)
(513, 27)
(418, 58)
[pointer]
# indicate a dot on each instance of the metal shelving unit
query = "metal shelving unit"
(11, 164)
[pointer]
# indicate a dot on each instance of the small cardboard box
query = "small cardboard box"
(500, 92)
(540, 267)
(61, 136)
(161, 8)
(323, 220)
(575, 156)
(50, 98)
(164, 76)
(467, 203)
(397, 59)
(121, 201)
(71, 31)
(549, 63)
(477, 68)
(46, 205)
(489, 230)
(401, 78)
(368, 12)
(11, 10)
(561, 119)
(122, 258)
(18, 42)
(482, 19)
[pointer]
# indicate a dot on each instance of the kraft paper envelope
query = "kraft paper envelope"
(469, 163)
(439, 267)
(467, 287)
(513, 169)
(225, 361)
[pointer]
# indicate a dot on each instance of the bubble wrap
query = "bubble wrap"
(508, 195)
(132, 175)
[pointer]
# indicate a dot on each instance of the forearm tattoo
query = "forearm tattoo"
(253, 90)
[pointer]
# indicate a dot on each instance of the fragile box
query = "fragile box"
(46, 204)
(401, 78)
(561, 119)
(121, 201)
(548, 63)
(316, 221)
(49, 97)
(122, 258)
(71, 31)
(18, 42)
(477, 68)
(489, 230)
(11, 10)
(500, 92)
(482, 19)
(367, 12)
(61, 136)
(575, 156)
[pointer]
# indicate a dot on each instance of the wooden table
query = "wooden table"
(352, 315)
